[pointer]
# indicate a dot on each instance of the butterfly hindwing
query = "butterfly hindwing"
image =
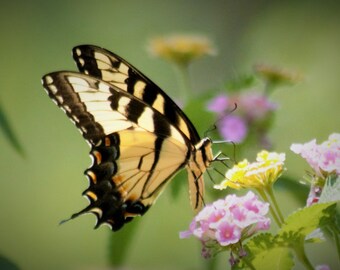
(130, 174)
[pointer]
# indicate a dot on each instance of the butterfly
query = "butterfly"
(139, 137)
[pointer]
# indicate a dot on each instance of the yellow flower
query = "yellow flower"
(275, 75)
(181, 49)
(265, 171)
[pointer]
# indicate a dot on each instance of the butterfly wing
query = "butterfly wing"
(135, 149)
(109, 67)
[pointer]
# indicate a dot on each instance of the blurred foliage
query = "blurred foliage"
(6, 128)
(240, 83)
(6, 264)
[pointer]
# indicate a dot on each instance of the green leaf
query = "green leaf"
(202, 119)
(9, 133)
(179, 184)
(306, 220)
(331, 190)
(240, 83)
(264, 252)
(7, 264)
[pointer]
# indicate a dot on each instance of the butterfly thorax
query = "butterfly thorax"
(203, 153)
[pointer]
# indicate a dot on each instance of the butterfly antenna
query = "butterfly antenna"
(212, 128)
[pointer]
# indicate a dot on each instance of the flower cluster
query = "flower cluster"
(226, 222)
(253, 110)
(181, 49)
(275, 75)
(323, 158)
(264, 172)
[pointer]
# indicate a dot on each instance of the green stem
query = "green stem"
(210, 264)
(120, 243)
(301, 255)
(335, 233)
(184, 82)
(273, 213)
(249, 264)
(270, 192)
(269, 87)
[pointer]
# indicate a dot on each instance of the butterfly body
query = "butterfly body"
(139, 137)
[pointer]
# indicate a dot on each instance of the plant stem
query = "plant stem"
(301, 255)
(210, 264)
(248, 264)
(268, 87)
(335, 233)
(273, 213)
(184, 82)
(270, 192)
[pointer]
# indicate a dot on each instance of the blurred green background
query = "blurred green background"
(44, 187)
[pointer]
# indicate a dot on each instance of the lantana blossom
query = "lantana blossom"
(265, 171)
(226, 222)
(324, 158)
(253, 109)
(181, 48)
(276, 75)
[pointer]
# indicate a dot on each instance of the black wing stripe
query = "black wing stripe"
(158, 146)
(72, 105)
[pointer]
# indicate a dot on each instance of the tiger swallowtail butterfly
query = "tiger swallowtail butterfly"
(139, 137)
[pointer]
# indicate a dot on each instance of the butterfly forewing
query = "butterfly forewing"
(107, 66)
(139, 138)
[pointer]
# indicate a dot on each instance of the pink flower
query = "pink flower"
(226, 221)
(227, 233)
(255, 105)
(324, 158)
(233, 128)
(252, 112)
(218, 104)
